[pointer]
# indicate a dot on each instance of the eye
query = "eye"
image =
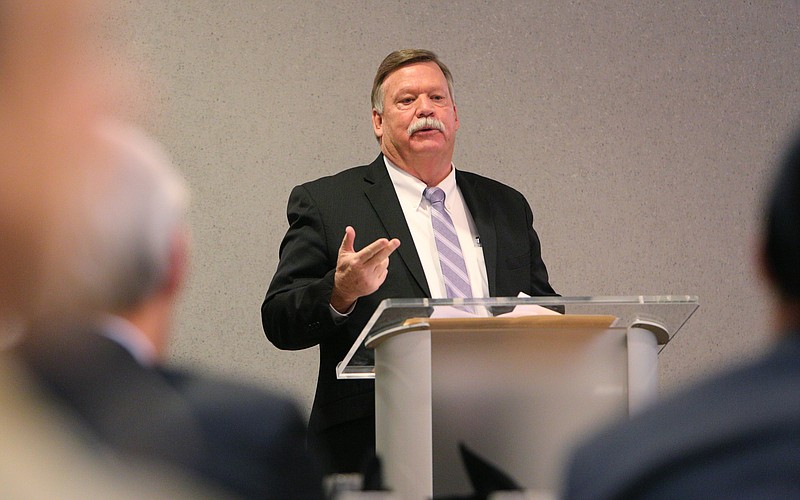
(406, 100)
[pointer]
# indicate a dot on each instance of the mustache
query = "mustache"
(428, 122)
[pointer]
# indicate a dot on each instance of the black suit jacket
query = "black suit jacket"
(296, 313)
(249, 442)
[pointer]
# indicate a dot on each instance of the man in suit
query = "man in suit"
(735, 435)
(366, 234)
(104, 362)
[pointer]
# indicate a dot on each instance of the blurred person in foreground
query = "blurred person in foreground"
(51, 94)
(107, 368)
(462, 235)
(53, 90)
(735, 435)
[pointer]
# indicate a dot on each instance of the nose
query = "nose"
(424, 106)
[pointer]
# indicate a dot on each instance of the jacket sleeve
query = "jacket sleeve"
(540, 282)
(296, 312)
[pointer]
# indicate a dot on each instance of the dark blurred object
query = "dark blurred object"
(485, 477)
(373, 474)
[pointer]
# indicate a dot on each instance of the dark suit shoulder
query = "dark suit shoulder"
(217, 400)
(486, 183)
(352, 176)
(256, 438)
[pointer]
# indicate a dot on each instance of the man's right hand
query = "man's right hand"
(360, 273)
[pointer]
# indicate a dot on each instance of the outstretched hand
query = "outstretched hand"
(360, 273)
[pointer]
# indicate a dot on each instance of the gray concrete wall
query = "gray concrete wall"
(642, 133)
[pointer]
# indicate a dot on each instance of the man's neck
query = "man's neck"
(152, 317)
(429, 169)
(130, 337)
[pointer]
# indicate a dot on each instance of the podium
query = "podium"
(511, 379)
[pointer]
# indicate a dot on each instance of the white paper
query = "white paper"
(527, 310)
(480, 312)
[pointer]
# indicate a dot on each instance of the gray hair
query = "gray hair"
(397, 60)
(135, 209)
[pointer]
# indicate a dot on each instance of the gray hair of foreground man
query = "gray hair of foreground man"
(136, 207)
(397, 60)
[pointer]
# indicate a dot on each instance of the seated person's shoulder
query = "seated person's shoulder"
(244, 407)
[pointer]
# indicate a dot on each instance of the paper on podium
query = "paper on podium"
(529, 310)
(481, 312)
(521, 315)
(519, 311)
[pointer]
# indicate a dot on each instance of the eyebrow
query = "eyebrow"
(415, 90)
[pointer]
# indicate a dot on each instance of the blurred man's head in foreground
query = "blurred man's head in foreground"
(52, 92)
(782, 233)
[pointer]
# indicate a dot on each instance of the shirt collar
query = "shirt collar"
(124, 333)
(410, 188)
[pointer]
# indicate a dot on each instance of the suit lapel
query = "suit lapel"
(482, 212)
(381, 194)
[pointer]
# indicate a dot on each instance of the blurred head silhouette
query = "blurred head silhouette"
(128, 221)
(781, 245)
(52, 92)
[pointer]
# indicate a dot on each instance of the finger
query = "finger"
(367, 253)
(348, 240)
(385, 251)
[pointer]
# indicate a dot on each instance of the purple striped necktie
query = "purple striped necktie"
(454, 270)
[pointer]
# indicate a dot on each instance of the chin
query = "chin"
(430, 145)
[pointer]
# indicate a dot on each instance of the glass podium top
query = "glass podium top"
(666, 313)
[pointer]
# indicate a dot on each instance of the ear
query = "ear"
(178, 262)
(455, 114)
(377, 123)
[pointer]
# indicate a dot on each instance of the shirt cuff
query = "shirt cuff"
(338, 317)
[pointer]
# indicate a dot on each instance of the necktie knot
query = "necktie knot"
(434, 195)
(451, 260)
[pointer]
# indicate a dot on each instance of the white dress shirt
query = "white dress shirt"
(416, 210)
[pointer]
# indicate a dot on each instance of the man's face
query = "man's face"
(411, 94)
